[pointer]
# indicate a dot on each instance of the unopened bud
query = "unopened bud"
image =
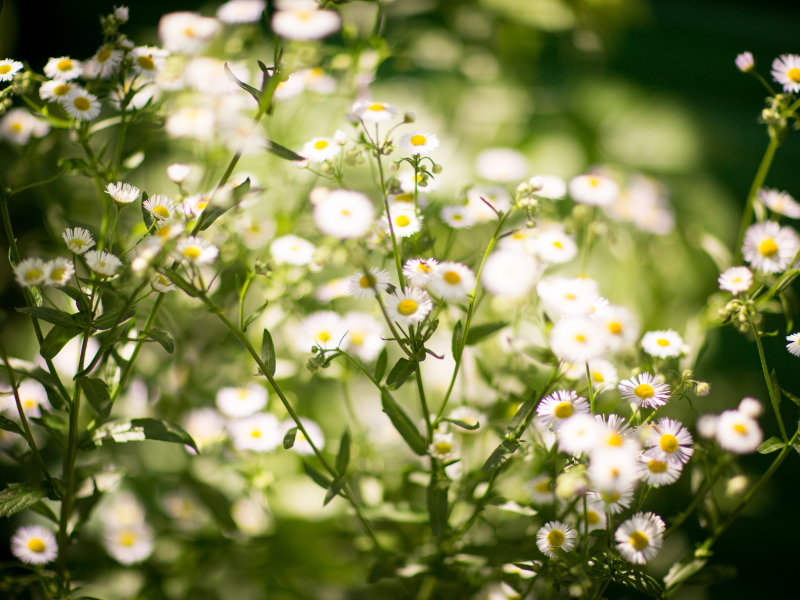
(436, 169)
(340, 137)
(687, 374)
(312, 365)
(524, 188)
(410, 117)
(703, 388)
(530, 224)
(394, 166)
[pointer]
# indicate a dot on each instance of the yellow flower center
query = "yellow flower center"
(452, 277)
(77, 243)
(242, 393)
(163, 233)
(303, 15)
(610, 497)
(668, 443)
(16, 126)
(656, 466)
(597, 376)
(255, 434)
(614, 439)
(56, 274)
(457, 218)
(794, 75)
(418, 140)
(594, 181)
(161, 211)
(558, 244)
(423, 267)
(569, 296)
(404, 198)
(33, 275)
(377, 107)
(543, 487)
(768, 248)
(366, 281)
(191, 252)
(662, 342)
(29, 404)
(321, 145)
(127, 539)
(64, 65)
(146, 62)
(324, 336)
(739, 428)
(615, 328)
(357, 338)
(639, 540)
(62, 90)
(644, 391)
(82, 103)
(5, 69)
(36, 545)
(592, 518)
(202, 204)
(580, 338)
(555, 538)
(407, 307)
(403, 221)
(443, 448)
(103, 55)
(563, 410)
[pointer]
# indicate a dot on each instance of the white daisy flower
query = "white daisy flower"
(558, 407)
(130, 545)
(335, 288)
(103, 263)
(55, 90)
(325, 329)
(738, 433)
(406, 200)
(565, 297)
(240, 402)
(621, 326)
(615, 434)
(364, 286)
(292, 250)
(8, 68)
(596, 190)
(603, 373)
(669, 440)
(17, 126)
(345, 214)
(780, 202)
(745, 62)
(195, 204)
(555, 535)
(320, 149)
(160, 207)
(768, 247)
(613, 469)
(196, 250)
(419, 271)
(657, 472)
(751, 407)
(794, 344)
(148, 61)
(578, 339)
(177, 173)
(443, 446)
(645, 390)
(259, 433)
(317, 81)
(161, 283)
(34, 545)
(31, 271)
(63, 68)
(206, 426)
(662, 343)
(548, 186)
(301, 445)
(405, 222)
(374, 112)
(578, 434)
(81, 105)
(452, 281)
(186, 32)
(554, 246)
(501, 164)
(457, 217)
(122, 510)
(122, 193)
(541, 490)
(167, 230)
(59, 271)
(594, 516)
(468, 415)
(305, 24)
(479, 197)
(78, 240)
(291, 87)
(104, 63)
(364, 335)
(409, 307)
(786, 71)
(736, 280)
(612, 501)
(32, 396)
(418, 143)
(406, 181)
(640, 538)
(510, 274)
(241, 11)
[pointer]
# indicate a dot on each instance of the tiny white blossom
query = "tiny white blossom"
(63, 68)
(736, 280)
(745, 62)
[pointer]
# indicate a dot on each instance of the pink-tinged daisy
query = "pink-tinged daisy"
(736, 280)
(640, 538)
(745, 62)
(35, 545)
(780, 202)
(794, 343)
(645, 390)
(555, 535)
(736, 432)
(555, 409)
(669, 440)
(409, 307)
(786, 71)
(768, 247)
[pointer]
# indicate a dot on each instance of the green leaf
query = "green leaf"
(384, 568)
(773, 444)
(217, 502)
(401, 371)
(255, 314)
(19, 496)
(458, 340)
(268, 353)
(137, 430)
(44, 510)
(521, 419)
(282, 152)
(711, 575)
(639, 581)
(96, 391)
(343, 457)
(180, 282)
(51, 315)
(437, 503)
(403, 424)
(162, 337)
(247, 88)
(148, 218)
(380, 366)
(481, 332)
(58, 427)
(541, 355)
(531, 566)
(113, 317)
(500, 455)
(56, 339)
(333, 489)
(8, 425)
(462, 424)
(684, 569)
(217, 211)
(791, 397)
(81, 299)
(321, 480)
(289, 438)
(776, 388)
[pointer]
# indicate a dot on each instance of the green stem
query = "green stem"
(591, 388)
(395, 251)
(132, 360)
(761, 175)
(701, 493)
(425, 412)
(772, 394)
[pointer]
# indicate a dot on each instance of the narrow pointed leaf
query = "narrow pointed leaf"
(8, 425)
(321, 480)
(162, 337)
(403, 424)
(401, 371)
(51, 315)
(481, 332)
(333, 489)
(773, 444)
(247, 88)
(289, 438)
(255, 314)
(343, 457)
(137, 430)
(18, 496)
(462, 424)
(521, 418)
(380, 366)
(146, 216)
(458, 339)
(282, 152)
(81, 299)
(500, 455)
(56, 339)
(96, 392)
(217, 211)
(437, 503)
(113, 317)
(180, 282)
(268, 353)
(44, 510)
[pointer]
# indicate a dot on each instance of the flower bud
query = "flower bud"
(436, 169)
(178, 173)
(530, 224)
(394, 166)
(524, 188)
(410, 117)
(340, 137)
(703, 388)
(687, 374)
(736, 486)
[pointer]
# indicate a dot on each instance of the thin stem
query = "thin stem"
(382, 181)
(591, 387)
(768, 379)
(132, 360)
(709, 482)
(761, 175)
(425, 412)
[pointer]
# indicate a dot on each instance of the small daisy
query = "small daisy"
(32, 396)
(405, 222)
(195, 204)
(548, 186)
(555, 535)
(103, 264)
(335, 288)
(63, 68)
(452, 281)
(406, 181)
(320, 149)
(594, 516)
(129, 545)
(768, 247)
(148, 61)
(31, 271)
(374, 112)
(122, 193)
(794, 343)
(736, 432)
(510, 274)
(205, 425)
(34, 545)
(418, 143)
(786, 71)
(160, 207)
(457, 217)
(751, 407)
(305, 24)
(657, 472)
(578, 339)
(621, 326)
(745, 62)
(443, 446)
(409, 307)
(364, 286)
(259, 433)
(578, 434)
(241, 11)
(780, 202)
(645, 390)
(104, 64)
(554, 246)
(301, 444)
(8, 68)
(345, 214)
(317, 81)
(559, 406)
(663, 343)
(541, 488)
(640, 538)
(59, 271)
(612, 501)
(56, 90)
(364, 335)
(736, 280)
(324, 329)
(595, 190)
(242, 401)
(78, 240)
(669, 440)
(178, 173)
(292, 250)
(167, 230)
(196, 250)
(603, 373)
(561, 296)
(81, 105)
(615, 434)
(161, 283)
(470, 416)
(613, 469)
(186, 32)
(419, 271)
